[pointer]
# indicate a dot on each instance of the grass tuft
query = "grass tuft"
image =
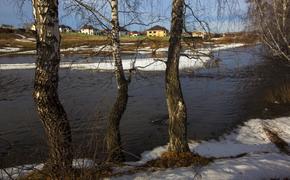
(174, 160)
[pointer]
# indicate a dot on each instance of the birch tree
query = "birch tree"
(49, 107)
(113, 139)
(175, 102)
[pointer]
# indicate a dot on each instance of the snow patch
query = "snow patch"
(16, 172)
(105, 48)
(249, 138)
(227, 46)
(147, 64)
(9, 49)
(253, 166)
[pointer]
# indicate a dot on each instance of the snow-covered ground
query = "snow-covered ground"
(253, 166)
(143, 64)
(9, 49)
(15, 172)
(262, 159)
(107, 48)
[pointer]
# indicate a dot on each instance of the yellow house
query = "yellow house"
(157, 31)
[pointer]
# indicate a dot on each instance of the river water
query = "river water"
(244, 85)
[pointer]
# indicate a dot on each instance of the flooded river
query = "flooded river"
(243, 86)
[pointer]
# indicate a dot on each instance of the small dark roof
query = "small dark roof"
(87, 27)
(157, 28)
(64, 26)
(123, 29)
(6, 26)
(135, 32)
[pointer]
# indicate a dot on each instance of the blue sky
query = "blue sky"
(228, 20)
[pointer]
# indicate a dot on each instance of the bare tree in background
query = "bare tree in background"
(50, 110)
(271, 19)
(175, 102)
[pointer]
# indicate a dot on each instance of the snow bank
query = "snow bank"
(262, 161)
(249, 138)
(26, 52)
(19, 171)
(9, 49)
(254, 166)
(147, 64)
(227, 46)
(15, 172)
(106, 48)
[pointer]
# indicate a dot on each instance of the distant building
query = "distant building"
(123, 31)
(88, 29)
(6, 26)
(135, 34)
(198, 34)
(64, 28)
(32, 27)
(157, 31)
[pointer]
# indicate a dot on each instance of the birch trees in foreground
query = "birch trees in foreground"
(51, 111)
(175, 103)
(49, 107)
(113, 137)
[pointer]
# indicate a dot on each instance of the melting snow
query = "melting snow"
(263, 159)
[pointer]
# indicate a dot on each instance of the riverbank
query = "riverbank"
(21, 43)
(248, 152)
(142, 60)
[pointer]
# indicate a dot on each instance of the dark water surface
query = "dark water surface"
(218, 99)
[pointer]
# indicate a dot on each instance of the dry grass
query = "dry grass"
(167, 160)
(174, 160)
(76, 174)
(77, 39)
(278, 141)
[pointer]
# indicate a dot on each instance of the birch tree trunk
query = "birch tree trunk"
(50, 110)
(113, 139)
(175, 102)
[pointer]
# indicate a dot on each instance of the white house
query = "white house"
(134, 33)
(32, 27)
(123, 31)
(64, 28)
(198, 34)
(88, 29)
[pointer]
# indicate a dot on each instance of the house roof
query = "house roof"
(135, 32)
(65, 26)
(157, 28)
(123, 29)
(87, 27)
(198, 32)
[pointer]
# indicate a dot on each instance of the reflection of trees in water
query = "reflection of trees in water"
(279, 94)
(276, 92)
